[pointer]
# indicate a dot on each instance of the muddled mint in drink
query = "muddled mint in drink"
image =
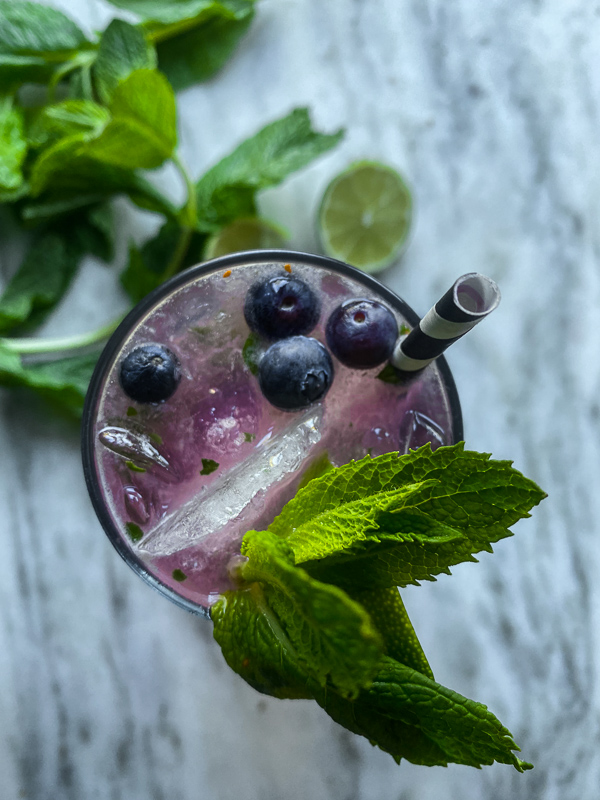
(192, 516)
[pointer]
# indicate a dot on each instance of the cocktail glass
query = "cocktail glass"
(176, 484)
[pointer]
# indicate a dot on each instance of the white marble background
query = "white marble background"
(109, 692)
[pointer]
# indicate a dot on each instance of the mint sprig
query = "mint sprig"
(316, 614)
(397, 520)
(109, 115)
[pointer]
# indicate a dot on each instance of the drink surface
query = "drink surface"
(182, 480)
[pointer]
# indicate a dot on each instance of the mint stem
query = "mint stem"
(80, 59)
(52, 345)
(187, 217)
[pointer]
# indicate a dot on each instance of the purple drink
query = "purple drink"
(177, 483)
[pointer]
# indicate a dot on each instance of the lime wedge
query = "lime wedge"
(251, 233)
(365, 216)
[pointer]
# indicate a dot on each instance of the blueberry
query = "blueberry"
(281, 306)
(295, 372)
(150, 373)
(362, 333)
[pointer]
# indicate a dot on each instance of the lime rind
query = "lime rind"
(365, 216)
(246, 233)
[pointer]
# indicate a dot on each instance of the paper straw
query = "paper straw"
(469, 300)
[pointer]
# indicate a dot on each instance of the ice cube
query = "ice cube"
(135, 447)
(416, 429)
(273, 459)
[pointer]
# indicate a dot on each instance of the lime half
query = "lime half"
(365, 216)
(251, 233)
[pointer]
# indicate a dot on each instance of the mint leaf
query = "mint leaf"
(395, 520)
(146, 196)
(138, 278)
(228, 189)
(197, 54)
(40, 281)
(134, 531)
(209, 466)
(62, 383)
(317, 628)
(65, 119)
(68, 166)
(34, 39)
(51, 206)
(252, 352)
(157, 15)
(256, 646)
(34, 29)
(411, 716)
(389, 616)
(51, 262)
(123, 49)
(390, 735)
(17, 70)
(194, 38)
(466, 731)
(147, 265)
(142, 132)
(13, 146)
(389, 375)
(95, 233)
(65, 172)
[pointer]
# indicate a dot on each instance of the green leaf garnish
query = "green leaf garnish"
(66, 118)
(134, 467)
(208, 466)
(249, 437)
(13, 146)
(329, 559)
(228, 190)
(389, 375)
(31, 28)
(142, 131)
(62, 382)
(146, 268)
(411, 716)
(198, 53)
(395, 520)
(193, 39)
(40, 282)
(134, 531)
(316, 627)
(123, 49)
(252, 351)
(178, 575)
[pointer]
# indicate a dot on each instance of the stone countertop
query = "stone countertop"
(109, 692)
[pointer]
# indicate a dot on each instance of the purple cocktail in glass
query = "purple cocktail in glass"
(178, 480)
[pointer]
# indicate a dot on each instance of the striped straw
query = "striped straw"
(471, 298)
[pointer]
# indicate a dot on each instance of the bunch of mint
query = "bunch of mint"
(102, 113)
(317, 612)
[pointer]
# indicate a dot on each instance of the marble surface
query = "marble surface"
(108, 691)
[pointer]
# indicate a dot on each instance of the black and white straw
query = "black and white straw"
(471, 298)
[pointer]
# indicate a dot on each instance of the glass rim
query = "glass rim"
(124, 327)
